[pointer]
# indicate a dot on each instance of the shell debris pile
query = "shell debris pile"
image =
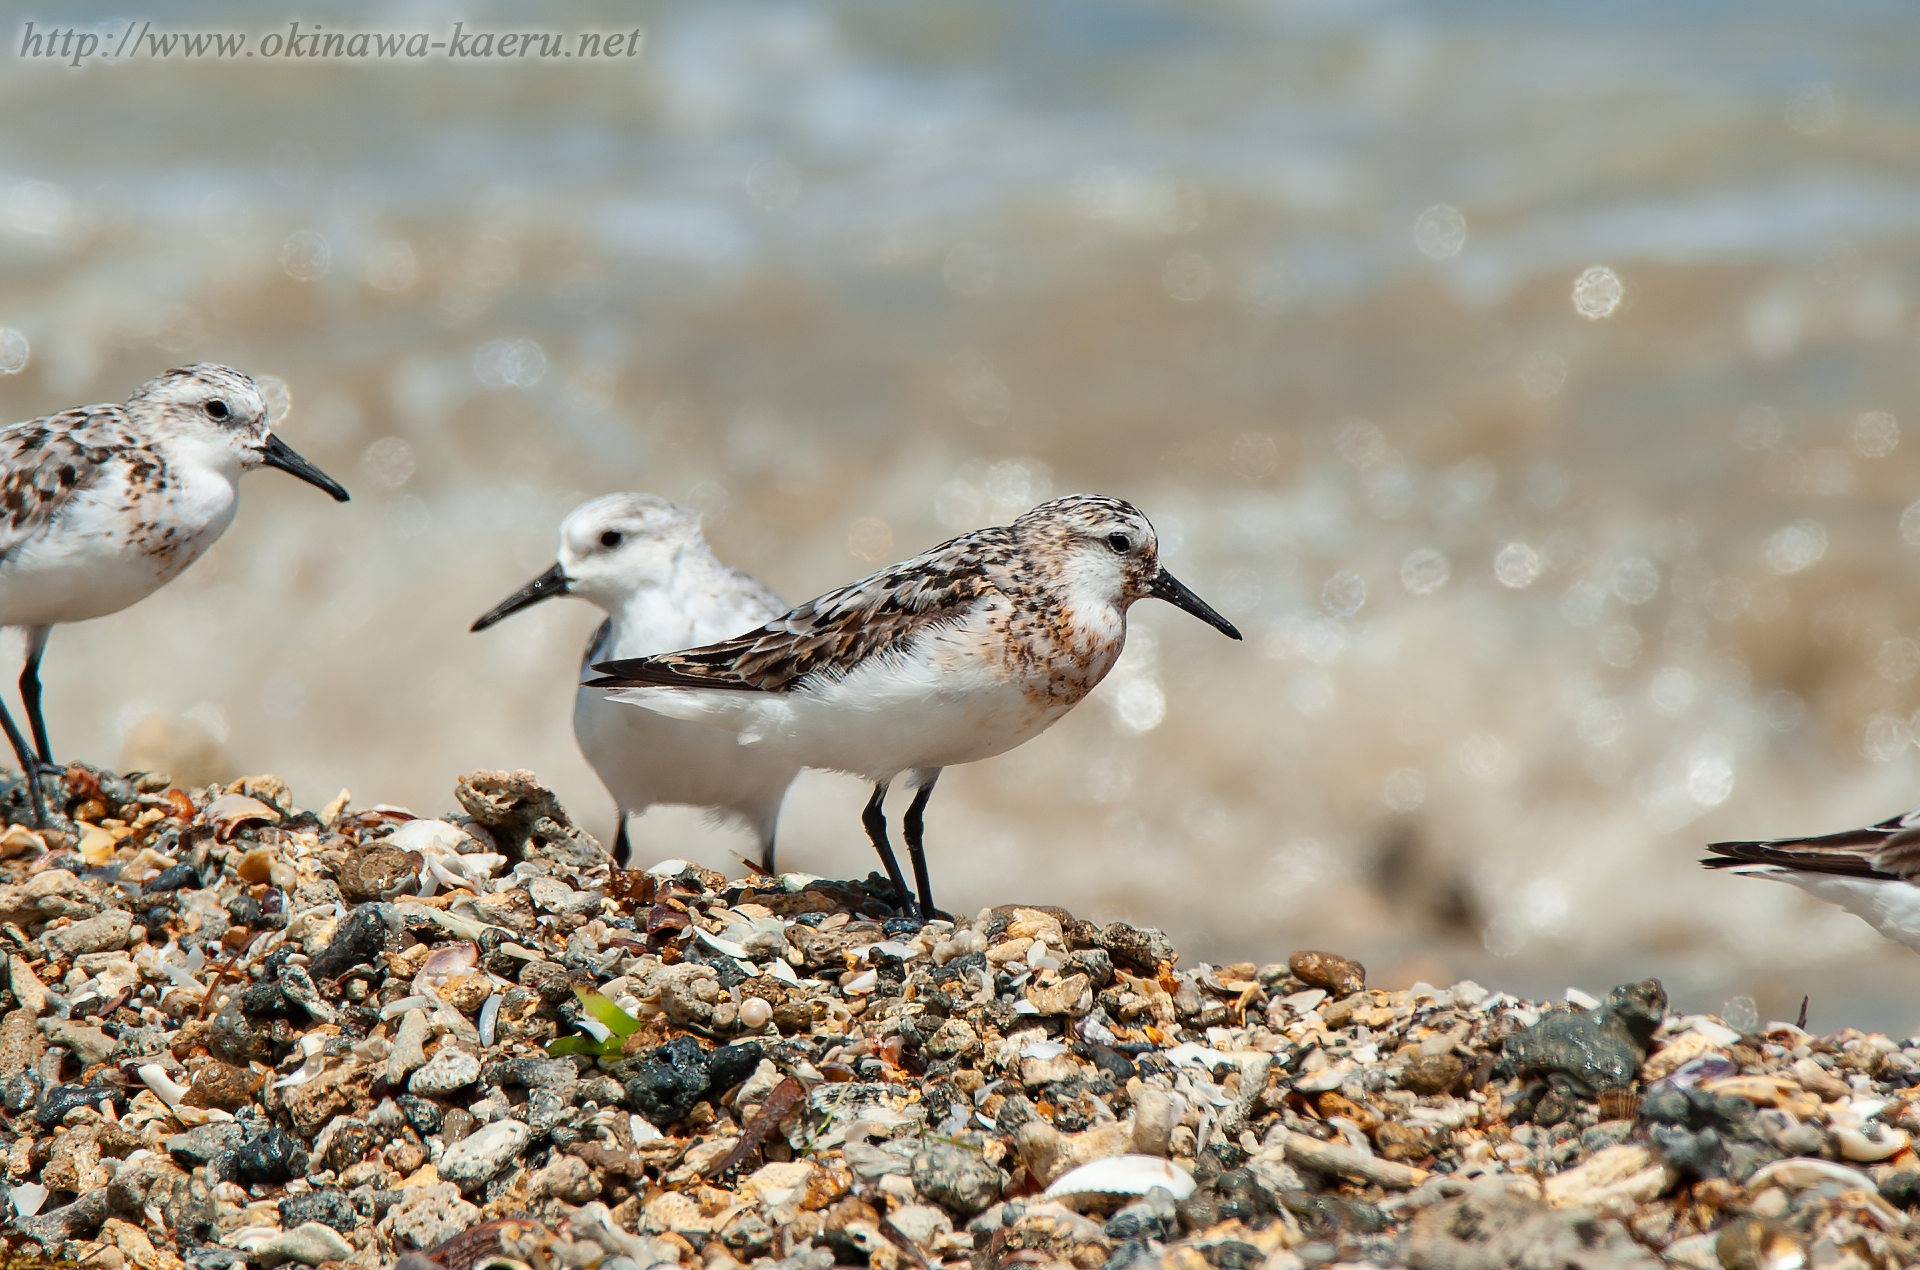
(239, 1033)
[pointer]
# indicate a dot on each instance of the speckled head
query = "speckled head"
(1104, 549)
(221, 413)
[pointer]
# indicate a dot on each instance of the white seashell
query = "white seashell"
(169, 1090)
(782, 970)
(720, 945)
(673, 868)
(755, 1014)
(1321, 1081)
(489, 1018)
(400, 1007)
(1799, 1173)
(312, 1046)
(1301, 1002)
(643, 1130)
(861, 984)
(1187, 1054)
(1869, 1142)
(1585, 1000)
(1043, 1049)
(1124, 1175)
(448, 961)
(1867, 1108)
(229, 811)
(891, 948)
(27, 1197)
(428, 835)
(594, 1027)
(1024, 1006)
(249, 1238)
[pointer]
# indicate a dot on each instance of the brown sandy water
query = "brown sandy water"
(1536, 603)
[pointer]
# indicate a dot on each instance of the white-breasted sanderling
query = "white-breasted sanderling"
(956, 655)
(102, 506)
(645, 563)
(1873, 873)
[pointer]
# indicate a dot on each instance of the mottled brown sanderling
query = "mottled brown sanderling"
(645, 563)
(103, 505)
(956, 655)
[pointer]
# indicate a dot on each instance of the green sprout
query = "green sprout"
(611, 1016)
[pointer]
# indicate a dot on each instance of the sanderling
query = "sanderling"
(645, 562)
(1873, 873)
(956, 655)
(104, 505)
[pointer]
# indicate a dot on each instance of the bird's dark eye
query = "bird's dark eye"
(217, 409)
(1120, 543)
(611, 538)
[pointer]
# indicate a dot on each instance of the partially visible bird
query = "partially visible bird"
(645, 563)
(103, 505)
(1873, 873)
(956, 655)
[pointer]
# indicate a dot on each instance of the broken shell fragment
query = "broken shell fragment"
(169, 1091)
(1123, 1175)
(1870, 1141)
(229, 812)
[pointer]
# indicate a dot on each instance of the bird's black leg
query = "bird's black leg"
(622, 845)
(875, 819)
(30, 691)
(914, 828)
(29, 768)
(766, 855)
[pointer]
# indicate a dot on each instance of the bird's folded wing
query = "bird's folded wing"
(47, 461)
(1890, 849)
(834, 633)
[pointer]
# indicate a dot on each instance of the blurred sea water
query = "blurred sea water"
(1533, 383)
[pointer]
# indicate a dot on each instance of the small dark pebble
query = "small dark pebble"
(269, 1158)
(179, 877)
(1706, 1135)
(64, 1098)
(1901, 1189)
(422, 1114)
(328, 1207)
(1232, 1254)
(360, 937)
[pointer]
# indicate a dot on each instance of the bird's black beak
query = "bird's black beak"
(277, 453)
(1174, 591)
(549, 584)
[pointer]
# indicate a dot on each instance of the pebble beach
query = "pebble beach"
(238, 1032)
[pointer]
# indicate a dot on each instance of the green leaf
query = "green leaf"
(611, 1016)
(575, 1045)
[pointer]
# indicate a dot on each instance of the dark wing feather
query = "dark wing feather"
(829, 635)
(596, 646)
(1888, 850)
(45, 462)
